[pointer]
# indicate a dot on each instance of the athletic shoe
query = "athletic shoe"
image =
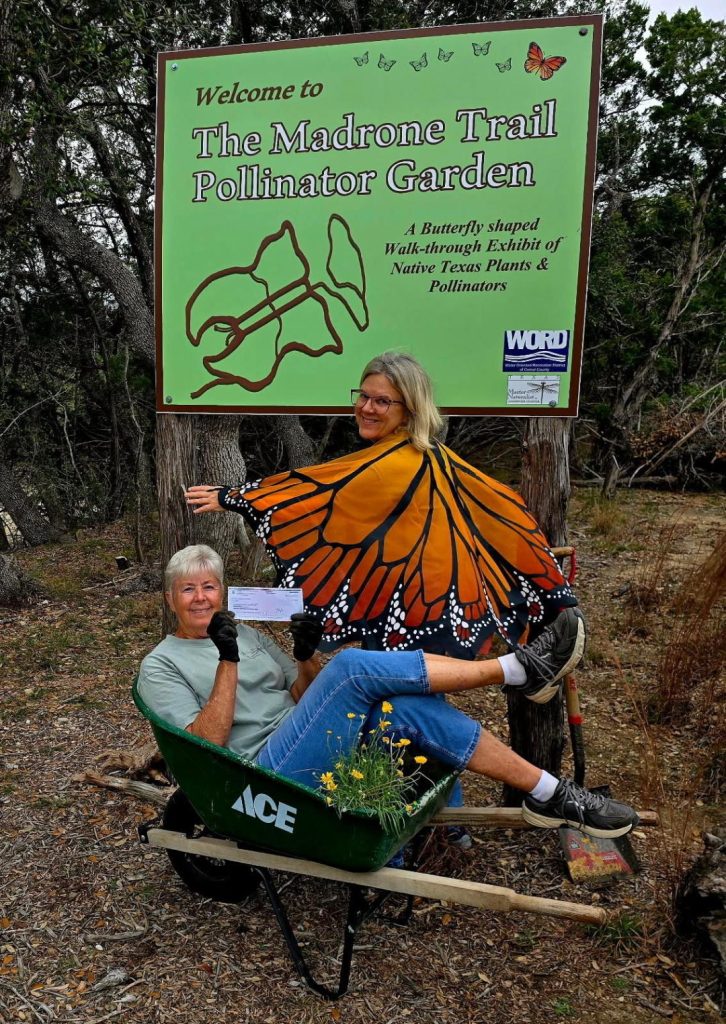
(397, 860)
(552, 655)
(456, 835)
(573, 805)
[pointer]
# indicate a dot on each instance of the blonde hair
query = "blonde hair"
(409, 377)
(192, 559)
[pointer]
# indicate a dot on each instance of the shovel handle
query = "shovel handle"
(574, 720)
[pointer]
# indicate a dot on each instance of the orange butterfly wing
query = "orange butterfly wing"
(401, 548)
(537, 63)
(524, 582)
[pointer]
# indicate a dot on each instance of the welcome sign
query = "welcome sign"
(320, 201)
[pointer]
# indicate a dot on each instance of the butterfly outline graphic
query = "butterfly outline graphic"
(418, 65)
(360, 61)
(481, 49)
(445, 55)
(537, 64)
(506, 66)
(386, 65)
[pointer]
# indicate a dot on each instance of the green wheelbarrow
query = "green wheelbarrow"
(230, 823)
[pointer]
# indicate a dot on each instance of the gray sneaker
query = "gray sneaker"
(552, 655)
(573, 805)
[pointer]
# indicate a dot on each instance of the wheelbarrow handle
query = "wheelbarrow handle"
(567, 551)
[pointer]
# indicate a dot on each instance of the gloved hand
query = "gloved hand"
(306, 632)
(222, 631)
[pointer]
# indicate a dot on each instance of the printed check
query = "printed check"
(264, 604)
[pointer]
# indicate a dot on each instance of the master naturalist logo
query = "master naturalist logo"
(536, 350)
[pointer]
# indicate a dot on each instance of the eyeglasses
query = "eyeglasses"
(380, 403)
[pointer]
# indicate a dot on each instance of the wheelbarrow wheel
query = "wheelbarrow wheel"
(220, 880)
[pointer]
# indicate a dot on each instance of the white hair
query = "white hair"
(192, 559)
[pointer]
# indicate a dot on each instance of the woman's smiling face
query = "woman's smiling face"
(376, 419)
(194, 599)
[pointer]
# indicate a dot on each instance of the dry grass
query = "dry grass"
(688, 691)
(688, 673)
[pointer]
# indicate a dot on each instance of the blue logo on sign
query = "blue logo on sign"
(536, 350)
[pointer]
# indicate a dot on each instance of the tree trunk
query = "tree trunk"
(16, 588)
(536, 733)
(23, 510)
(535, 730)
(546, 475)
(195, 449)
(298, 446)
(218, 461)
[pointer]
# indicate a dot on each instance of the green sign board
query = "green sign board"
(320, 201)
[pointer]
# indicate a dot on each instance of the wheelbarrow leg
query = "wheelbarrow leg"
(360, 908)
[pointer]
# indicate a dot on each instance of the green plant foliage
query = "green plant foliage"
(375, 774)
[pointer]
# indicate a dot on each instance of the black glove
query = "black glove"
(222, 631)
(306, 632)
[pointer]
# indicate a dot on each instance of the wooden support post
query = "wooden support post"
(502, 817)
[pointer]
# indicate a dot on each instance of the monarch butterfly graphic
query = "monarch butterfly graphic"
(536, 62)
(360, 61)
(481, 49)
(506, 66)
(445, 55)
(385, 64)
(418, 65)
(405, 548)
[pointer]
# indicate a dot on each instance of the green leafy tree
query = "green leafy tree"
(656, 305)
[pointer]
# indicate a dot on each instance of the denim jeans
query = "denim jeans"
(354, 682)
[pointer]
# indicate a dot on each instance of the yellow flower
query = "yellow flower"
(386, 739)
(409, 808)
(356, 774)
(399, 773)
(386, 707)
(328, 781)
(384, 723)
(338, 765)
(329, 732)
(420, 759)
(351, 714)
(329, 800)
(403, 743)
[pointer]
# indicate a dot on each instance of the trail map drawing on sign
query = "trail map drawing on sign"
(256, 308)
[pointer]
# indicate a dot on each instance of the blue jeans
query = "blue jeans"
(354, 682)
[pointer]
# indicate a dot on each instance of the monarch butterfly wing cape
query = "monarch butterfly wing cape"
(401, 548)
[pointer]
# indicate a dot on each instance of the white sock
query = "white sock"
(545, 788)
(513, 669)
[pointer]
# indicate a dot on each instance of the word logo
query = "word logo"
(536, 350)
(265, 809)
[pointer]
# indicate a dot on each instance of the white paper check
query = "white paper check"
(264, 604)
